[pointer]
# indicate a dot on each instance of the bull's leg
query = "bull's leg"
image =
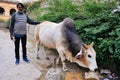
(68, 55)
(58, 61)
(45, 54)
(37, 48)
(62, 56)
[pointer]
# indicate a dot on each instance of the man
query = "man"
(18, 31)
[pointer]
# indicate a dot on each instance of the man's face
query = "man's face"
(20, 8)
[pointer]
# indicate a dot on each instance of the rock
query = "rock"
(105, 71)
(55, 74)
(106, 79)
(93, 75)
(73, 76)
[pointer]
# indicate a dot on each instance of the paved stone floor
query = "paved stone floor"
(8, 69)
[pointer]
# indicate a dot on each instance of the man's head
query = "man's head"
(20, 7)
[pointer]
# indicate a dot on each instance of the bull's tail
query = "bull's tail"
(36, 33)
(37, 40)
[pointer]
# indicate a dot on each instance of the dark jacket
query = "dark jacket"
(19, 22)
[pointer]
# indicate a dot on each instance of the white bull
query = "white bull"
(52, 35)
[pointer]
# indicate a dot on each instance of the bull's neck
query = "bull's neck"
(79, 62)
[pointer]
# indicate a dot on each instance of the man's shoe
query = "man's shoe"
(17, 61)
(26, 60)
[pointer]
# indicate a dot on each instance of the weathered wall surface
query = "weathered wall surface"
(6, 7)
(3, 25)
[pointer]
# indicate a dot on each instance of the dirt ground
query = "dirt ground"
(8, 69)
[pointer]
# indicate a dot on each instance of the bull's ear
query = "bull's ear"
(85, 46)
(92, 44)
(79, 54)
(78, 57)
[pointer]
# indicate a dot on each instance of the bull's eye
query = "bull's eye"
(89, 56)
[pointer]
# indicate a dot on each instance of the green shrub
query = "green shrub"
(1, 20)
(33, 9)
(8, 23)
(105, 32)
(60, 9)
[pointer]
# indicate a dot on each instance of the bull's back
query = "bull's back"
(47, 31)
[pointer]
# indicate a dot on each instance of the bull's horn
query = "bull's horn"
(92, 44)
(85, 46)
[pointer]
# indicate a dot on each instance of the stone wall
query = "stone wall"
(6, 10)
(3, 25)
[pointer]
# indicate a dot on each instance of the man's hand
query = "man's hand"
(11, 37)
(42, 21)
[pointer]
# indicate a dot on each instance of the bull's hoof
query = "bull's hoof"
(65, 69)
(58, 62)
(47, 58)
(38, 58)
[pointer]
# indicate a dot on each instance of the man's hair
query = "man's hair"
(20, 5)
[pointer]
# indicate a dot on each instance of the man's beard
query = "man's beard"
(20, 12)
